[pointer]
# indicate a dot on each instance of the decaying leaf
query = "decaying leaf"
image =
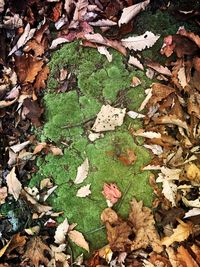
(36, 251)
(192, 172)
(131, 11)
(82, 172)
(141, 42)
(111, 193)
(144, 227)
(108, 118)
(180, 233)
(3, 194)
(84, 191)
(104, 51)
(78, 238)
(61, 232)
(14, 185)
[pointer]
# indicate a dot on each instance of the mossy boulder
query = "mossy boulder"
(69, 117)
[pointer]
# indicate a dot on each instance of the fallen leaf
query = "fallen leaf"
(130, 12)
(144, 228)
(159, 68)
(84, 191)
(135, 62)
(34, 67)
(56, 151)
(18, 147)
(61, 232)
(26, 35)
(41, 78)
(16, 241)
(149, 134)
(3, 194)
(36, 251)
(57, 41)
(111, 192)
(78, 238)
(108, 118)
(135, 81)
(180, 233)
(185, 258)
(104, 51)
(103, 23)
(4, 103)
(192, 172)
(128, 158)
(109, 215)
(39, 147)
(135, 115)
(82, 172)
(192, 212)
(14, 185)
(141, 42)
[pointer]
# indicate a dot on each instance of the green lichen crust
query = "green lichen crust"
(69, 117)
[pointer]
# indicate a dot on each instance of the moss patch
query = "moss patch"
(69, 117)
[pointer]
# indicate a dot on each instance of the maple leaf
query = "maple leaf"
(141, 42)
(14, 185)
(180, 233)
(36, 250)
(144, 227)
(111, 193)
(78, 238)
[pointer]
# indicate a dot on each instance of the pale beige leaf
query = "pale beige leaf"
(141, 42)
(14, 185)
(108, 118)
(182, 77)
(180, 233)
(78, 239)
(84, 191)
(131, 11)
(192, 212)
(82, 172)
(104, 51)
(144, 227)
(61, 232)
(135, 115)
(135, 62)
(18, 147)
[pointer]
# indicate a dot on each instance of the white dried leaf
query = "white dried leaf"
(78, 239)
(49, 192)
(108, 118)
(149, 134)
(141, 42)
(103, 23)
(169, 188)
(93, 136)
(82, 172)
(57, 41)
(26, 35)
(191, 203)
(4, 103)
(14, 185)
(192, 212)
(18, 147)
(135, 62)
(84, 191)
(135, 115)
(149, 94)
(61, 232)
(156, 149)
(104, 51)
(131, 11)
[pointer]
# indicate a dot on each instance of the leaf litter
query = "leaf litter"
(171, 131)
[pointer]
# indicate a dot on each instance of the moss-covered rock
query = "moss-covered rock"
(69, 117)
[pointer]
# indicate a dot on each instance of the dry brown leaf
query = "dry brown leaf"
(34, 67)
(159, 68)
(144, 228)
(36, 251)
(192, 36)
(185, 258)
(38, 48)
(16, 241)
(78, 238)
(109, 215)
(39, 147)
(41, 78)
(14, 185)
(180, 233)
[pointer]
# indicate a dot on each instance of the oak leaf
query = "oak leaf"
(144, 228)
(36, 251)
(180, 233)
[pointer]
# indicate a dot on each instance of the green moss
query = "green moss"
(68, 118)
